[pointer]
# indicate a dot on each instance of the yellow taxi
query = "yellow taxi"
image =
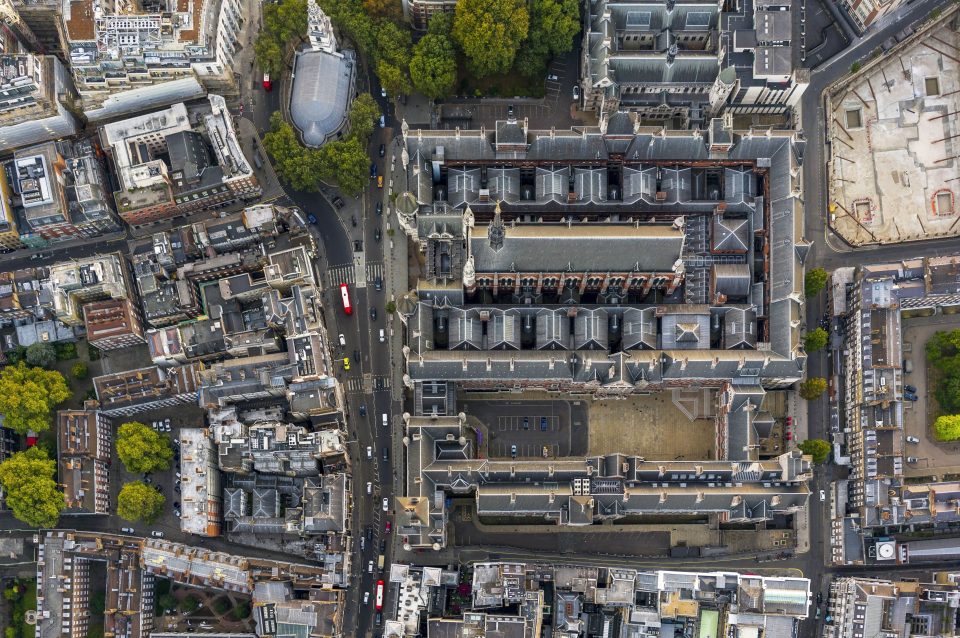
(346, 363)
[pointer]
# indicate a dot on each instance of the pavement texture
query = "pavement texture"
(658, 427)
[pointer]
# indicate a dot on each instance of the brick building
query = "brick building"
(84, 451)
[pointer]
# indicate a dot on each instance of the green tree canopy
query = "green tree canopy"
(42, 355)
(31, 492)
(283, 24)
(815, 340)
(28, 395)
(395, 79)
(490, 32)
(441, 23)
(364, 113)
(553, 26)
(393, 49)
(947, 427)
(347, 163)
(433, 67)
(142, 450)
(295, 164)
(817, 448)
(167, 601)
(814, 281)
(79, 370)
(189, 604)
(138, 501)
(812, 388)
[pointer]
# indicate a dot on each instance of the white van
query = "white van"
(382, 338)
(384, 419)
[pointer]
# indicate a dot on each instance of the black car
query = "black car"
(383, 150)
(909, 396)
(909, 388)
(369, 533)
(376, 234)
(363, 410)
(526, 423)
(819, 598)
(353, 220)
(373, 170)
(378, 619)
(373, 314)
(386, 454)
(379, 208)
(378, 283)
(383, 546)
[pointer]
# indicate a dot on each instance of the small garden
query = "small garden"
(21, 596)
(943, 357)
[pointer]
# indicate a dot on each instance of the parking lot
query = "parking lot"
(933, 458)
(527, 429)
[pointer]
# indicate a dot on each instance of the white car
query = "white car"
(383, 92)
(576, 92)
(912, 439)
(369, 452)
(823, 495)
(386, 504)
(156, 534)
(370, 567)
(343, 340)
(127, 530)
(552, 78)
(166, 425)
(369, 487)
(366, 598)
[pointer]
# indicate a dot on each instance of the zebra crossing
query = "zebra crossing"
(347, 274)
(356, 384)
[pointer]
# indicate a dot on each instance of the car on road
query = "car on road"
(383, 121)
(342, 339)
(387, 527)
(370, 567)
(366, 598)
(576, 92)
(353, 220)
(378, 283)
(384, 419)
(910, 388)
(369, 533)
(369, 487)
(382, 336)
(823, 495)
(373, 169)
(383, 150)
(373, 314)
(543, 424)
(356, 355)
(379, 208)
(912, 439)
(386, 504)
(513, 451)
(311, 218)
(363, 410)
(127, 530)
(369, 452)
(819, 598)
(376, 234)
(378, 619)
(383, 92)
(379, 181)
(156, 534)
(346, 363)
(176, 513)
(386, 454)
(553, 78)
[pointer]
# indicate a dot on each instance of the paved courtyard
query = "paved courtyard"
(662, 427)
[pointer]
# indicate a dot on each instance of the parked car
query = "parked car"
(156, 534)
(383, 121)
(513, 451)
(383, 150)
(383, 93)
(127, 530)
(176, 513)
(386, 504)
(370, 567)
(369, 452)
(912, 439)
(311, 218)
(823, 495)
(526, 423)
(379, 208)
(373, 314)
(909, 396)
(543, 424)
(552, 78)
(387, 527)
(576, 92)
(379, 181)
(373, 169)
(911, 459)
(369, 487)
(910, 388)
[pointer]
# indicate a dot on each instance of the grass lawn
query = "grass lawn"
(27, 602)
(510, 84)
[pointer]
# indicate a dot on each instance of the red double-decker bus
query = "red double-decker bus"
(267, 84)
(379, 599)
(345, 297)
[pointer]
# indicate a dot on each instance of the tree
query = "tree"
(812, 388)
(42, 355)
(391, 307)
(490, 32)
(814, 281)
(815, 340)
(393, 47)
(269, 55)
(433, 67)
(189, 604)
(364, 113)
(295, 164)
(27, 396)
(440, 24)
(241, 611)
(79, 370)
(393, 78)
(346, 162)
(142, 450)
(817, 448)
(167, 601)
(138, 501)
(31, 492)
(553, 26)
(947, 427)
(385, 9)
(282, 24)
